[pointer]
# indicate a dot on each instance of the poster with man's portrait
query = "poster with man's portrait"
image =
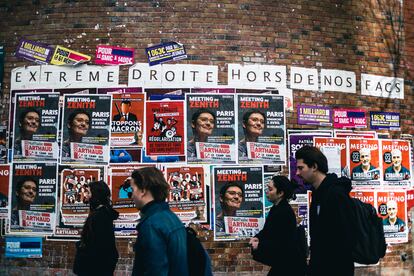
(211, 136)
(86, 129)
(261, 129)
(36, 127)
(396, 162)
(32, 197)
(238, 202)
(392, 209)
(364, 161)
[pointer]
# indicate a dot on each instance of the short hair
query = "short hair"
(126, 101)
(201, 111)
(247, 114)
(365, 151)
(392, 202)
(151, 179)
(20, 183)
(25, 112)
(226, 186)
(75, 113)
(282, 183)
(396, 152)
(312, 156)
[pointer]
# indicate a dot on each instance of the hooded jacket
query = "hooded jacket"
(97, 254)
(332, 228)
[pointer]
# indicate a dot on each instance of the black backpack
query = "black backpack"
(370, 244)
(302, 242)
(196, 255)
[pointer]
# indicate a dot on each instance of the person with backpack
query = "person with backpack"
(332, 218)
(277, 244)
(96, 252)
(161, 246)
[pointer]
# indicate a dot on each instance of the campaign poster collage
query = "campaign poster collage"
(216, 147)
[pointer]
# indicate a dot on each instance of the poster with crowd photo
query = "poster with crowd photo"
(74, 184)
(32, 195)
(335, 151)
(127, 121)
(187, 196)
(165, 128)
(261, 129)
(36, 127)
(364, 162)
(4, 190)
(238, 202)
(392, 208)
(85, 129)
(211, 136)
(296, 140)
(119, 178)
(396, 162)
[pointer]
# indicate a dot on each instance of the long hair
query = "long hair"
(100, 197)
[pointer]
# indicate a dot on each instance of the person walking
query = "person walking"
(277, 244)
(96, 252)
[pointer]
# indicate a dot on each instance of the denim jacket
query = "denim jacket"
(161, 246)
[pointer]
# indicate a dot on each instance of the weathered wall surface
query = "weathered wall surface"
(331, 34)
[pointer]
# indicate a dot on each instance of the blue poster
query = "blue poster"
(384, 120)
(23, 247)
(165, 52)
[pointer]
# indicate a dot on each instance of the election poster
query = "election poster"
(296, 140)
(187, 196)
(127, 124)
(36, 127)
(314, 115)
(335, 150)
(384, 120)
(349, 118)
(23, 247)
(164, 94)
(33, 198)
(125, 229)
(129, 155)
(238, 202)
(74, 185)
(164, 52)
(65, 56)
(261, 129)
(396, 165)
(119, 179)
(11, 121)
(364, 162)
(86, 129)
(410, 207)
(165, 128)
(34, 51)
(3, 145)
(4, 190)
(392, 208)
(211, 136)
(112, 55)
(366, 196)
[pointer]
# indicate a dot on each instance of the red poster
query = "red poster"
(165, 128)
(396, 162)
(4, 190)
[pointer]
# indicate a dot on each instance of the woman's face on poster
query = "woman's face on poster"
(204, 124)
(255, 124)
(80, 124)
(27, 192)
(31, 123)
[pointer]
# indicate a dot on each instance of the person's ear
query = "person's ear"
(314, 167)
(281, 193)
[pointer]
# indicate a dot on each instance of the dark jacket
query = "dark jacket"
(161, 247)
(332, 228)
(278, 244)
(96, 254)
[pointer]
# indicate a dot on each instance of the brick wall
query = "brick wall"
(330, 34)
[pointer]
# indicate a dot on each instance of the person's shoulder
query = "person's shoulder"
(389, 169)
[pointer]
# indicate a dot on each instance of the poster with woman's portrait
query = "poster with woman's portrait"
(261, 129)
(211, 136)
(238, 202)
(32, 194)
(36, 127)
(86, 129)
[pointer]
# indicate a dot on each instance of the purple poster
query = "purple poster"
(314, 115)
(296, 140)
(34, 51)
(384, 120)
